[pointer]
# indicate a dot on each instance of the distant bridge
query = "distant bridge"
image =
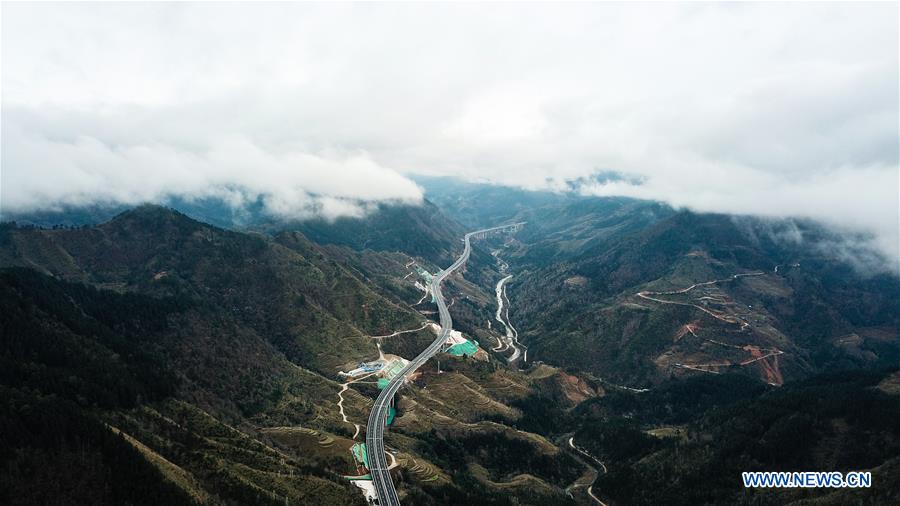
(495, 231)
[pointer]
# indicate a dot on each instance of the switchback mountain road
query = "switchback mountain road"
(378, 466)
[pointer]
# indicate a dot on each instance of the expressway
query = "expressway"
(378, 466)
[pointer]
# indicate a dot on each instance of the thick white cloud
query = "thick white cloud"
(772, 109)
(42, 172)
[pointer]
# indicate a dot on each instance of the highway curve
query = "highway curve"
(378, 466)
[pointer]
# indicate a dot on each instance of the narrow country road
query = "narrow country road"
(715, 314)
(597, 461)
(344, 388)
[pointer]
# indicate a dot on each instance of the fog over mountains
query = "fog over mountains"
(499, 254)
(154, 358)
(770, 110)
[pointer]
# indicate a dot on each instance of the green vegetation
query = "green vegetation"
(312, 308)
(53, 453)
(421, 231)
(835, 422)
(156, 359)
(87, 381)
(673, 402)
(502, 462)
(89, 346)
(598, 325)
(206, 353)
(68, 349)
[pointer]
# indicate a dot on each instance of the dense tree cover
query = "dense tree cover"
(421, 231)
(75, 358)
(418, 230)
(288, 289)
(51, 452)
(70, 347)
(66, 348)
(830, 300)
(469, 491)
(91, 346)
(205, 306)
(617, 440)
(837, 422)
(673, 402)
(581, 311)
(502, 455)
(543, 415)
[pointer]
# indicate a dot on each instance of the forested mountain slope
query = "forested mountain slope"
(417, 230)
(665, 300)
(205, 362)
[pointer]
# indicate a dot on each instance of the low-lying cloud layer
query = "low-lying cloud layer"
(765, 109)
(291, 184)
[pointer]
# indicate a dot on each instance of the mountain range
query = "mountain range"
(153, 355)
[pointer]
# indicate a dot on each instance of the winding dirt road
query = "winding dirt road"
(771, 372)
(646, 294)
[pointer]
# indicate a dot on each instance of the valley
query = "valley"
(269, 368)
(380, 472)
(449, 254)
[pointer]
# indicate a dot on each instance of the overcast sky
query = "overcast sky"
(767, 109)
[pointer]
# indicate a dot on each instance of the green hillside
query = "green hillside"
(816, 312)
(207, 359)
